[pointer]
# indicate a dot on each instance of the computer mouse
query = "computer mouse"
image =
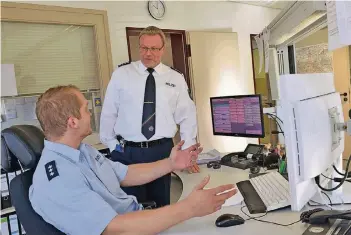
(227, 220)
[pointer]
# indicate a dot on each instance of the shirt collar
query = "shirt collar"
(159, 69)
(63, 149)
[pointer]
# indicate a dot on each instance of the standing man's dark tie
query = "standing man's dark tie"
(148, 127)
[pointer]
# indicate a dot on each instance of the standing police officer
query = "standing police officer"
(144, 102)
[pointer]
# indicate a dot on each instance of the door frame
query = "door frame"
(272, 124)
(132, 31)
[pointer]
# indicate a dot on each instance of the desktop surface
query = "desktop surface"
(206, 225)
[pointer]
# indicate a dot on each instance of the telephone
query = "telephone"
(321, 216)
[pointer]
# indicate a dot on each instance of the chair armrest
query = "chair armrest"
(149, 205)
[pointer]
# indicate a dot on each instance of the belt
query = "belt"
(147, 144)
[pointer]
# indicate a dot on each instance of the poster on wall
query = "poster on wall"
(339, 24)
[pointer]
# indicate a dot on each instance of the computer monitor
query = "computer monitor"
(237, 116)
(310, 108)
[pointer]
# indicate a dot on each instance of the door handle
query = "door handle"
(343, 94)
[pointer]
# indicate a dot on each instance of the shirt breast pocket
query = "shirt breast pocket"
(169, 97)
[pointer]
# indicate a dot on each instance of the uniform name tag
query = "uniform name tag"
(51, 170)
(170, 84)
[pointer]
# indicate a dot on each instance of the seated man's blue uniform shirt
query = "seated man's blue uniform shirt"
(78, 191)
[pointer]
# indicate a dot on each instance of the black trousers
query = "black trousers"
(158, 190)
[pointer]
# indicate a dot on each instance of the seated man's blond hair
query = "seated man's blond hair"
(54, 107)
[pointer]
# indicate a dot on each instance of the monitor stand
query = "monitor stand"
(338, 197)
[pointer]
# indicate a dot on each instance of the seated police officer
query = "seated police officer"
(77, 190)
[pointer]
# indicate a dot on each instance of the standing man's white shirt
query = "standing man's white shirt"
(123, 106)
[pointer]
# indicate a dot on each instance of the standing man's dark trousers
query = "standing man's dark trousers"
(158, 190)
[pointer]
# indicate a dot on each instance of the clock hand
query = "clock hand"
(155, 6)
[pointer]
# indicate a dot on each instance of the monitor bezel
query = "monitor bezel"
(237, 134)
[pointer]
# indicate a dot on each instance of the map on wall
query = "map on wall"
(314, 59)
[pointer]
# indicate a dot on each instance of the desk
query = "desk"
(205, 225)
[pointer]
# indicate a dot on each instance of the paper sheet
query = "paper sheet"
(266, 35)
(29, 111)
(259, 42)
(343, 15)
(10, 111)
(20, 101)
(90, 104)
(14, 225)
(234, 200)
(8, 80)
(339, 24)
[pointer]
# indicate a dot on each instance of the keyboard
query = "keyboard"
(265, 193)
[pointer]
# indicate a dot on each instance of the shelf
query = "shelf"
(7, 211)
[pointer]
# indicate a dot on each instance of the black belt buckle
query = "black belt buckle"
(144, 145)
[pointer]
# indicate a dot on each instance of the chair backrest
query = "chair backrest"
(25, 143)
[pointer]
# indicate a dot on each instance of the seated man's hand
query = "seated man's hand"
(206, 201)
(182, 159)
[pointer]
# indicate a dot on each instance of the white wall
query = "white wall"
(186, 15)
(220, 15)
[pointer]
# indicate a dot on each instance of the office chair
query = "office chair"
(21, 149)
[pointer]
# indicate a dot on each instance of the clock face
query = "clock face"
(157, 9)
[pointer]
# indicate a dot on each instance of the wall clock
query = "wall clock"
(157, 9)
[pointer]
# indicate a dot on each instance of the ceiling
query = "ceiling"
(276, 4)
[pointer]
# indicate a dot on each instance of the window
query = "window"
(50, 46)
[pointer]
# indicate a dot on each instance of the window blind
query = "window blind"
(45, 55)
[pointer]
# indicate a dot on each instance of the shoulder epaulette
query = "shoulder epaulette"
(123, 64)
(51, 170)
(177, 71)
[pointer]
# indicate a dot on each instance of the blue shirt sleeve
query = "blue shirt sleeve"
(120, 170)
(71, 206)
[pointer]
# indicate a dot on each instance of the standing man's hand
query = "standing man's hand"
(194, 169)
(182, 159)
(207, 201)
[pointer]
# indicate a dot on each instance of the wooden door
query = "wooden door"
(341, 67)
(215, 71)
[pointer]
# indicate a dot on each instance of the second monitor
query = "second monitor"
(237, 116)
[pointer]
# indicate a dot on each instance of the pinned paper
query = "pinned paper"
(259, 42)
(343, 15)
(339, 24)
(266, 36)
(10, 109)
(90, 104)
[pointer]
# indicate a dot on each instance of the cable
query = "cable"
(264, 221)
(276, 117)
(336, 179)
(327, 197)
(337, 171)
(327, 177)
(339, 185)
(277, 123)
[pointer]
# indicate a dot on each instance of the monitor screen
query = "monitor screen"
(237, 116)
